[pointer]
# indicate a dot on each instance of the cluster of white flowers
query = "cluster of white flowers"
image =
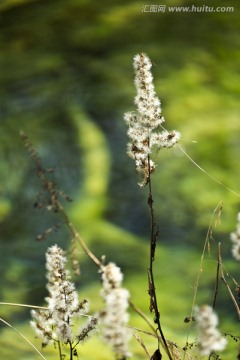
(209, 338)
(235, 238)
(56, 323)
(144, 125)
(115, 316)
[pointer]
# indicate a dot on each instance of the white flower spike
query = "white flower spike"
(209, 338)
(144, 125)
(115, 316)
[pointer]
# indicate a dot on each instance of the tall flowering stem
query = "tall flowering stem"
(56, 323)
(146, 133)
(151, 281)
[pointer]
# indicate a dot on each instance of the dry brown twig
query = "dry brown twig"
(226, 284)
(54, 199)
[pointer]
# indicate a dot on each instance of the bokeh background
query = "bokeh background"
(66, 80)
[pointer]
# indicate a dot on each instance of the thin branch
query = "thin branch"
(24, 305)
(170, 343)
(59, 350)
(206, 173)
(57, 205)
(217, 278)
(77, 236)
(29, 342)
(217, 210)
(227, 286)
(140, 341)
(139, 312)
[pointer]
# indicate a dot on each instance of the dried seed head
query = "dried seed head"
(145, 124)
(56, 323)
(209, 337)
(115, 316)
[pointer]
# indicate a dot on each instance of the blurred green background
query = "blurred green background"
(66, 80)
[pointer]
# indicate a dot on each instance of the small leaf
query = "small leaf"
(157, 355)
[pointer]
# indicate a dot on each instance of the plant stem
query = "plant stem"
(217, 278)
(226, 284)
(59, 350)
(71, 350)
(20, 334)
(151, 282)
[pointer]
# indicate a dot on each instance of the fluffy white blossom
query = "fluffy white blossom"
(56, 323)
(209, 338)
(235, 238)
(145, 124)
(111, 277)
(115, 316)
(42, 325)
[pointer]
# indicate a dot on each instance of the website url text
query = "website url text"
(186, 9)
